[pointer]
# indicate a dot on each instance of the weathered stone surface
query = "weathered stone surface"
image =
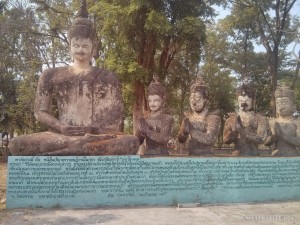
(200, 129)
(246, 129)
(154, 129)
(89, 104)
(285, 128)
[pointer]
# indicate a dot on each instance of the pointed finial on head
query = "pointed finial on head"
(82, 26)
(246, 90)
(156, 88)
(155, 79)
(83, 13)
(199, 80)
(199, 86)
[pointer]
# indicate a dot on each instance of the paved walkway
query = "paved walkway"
(234, 214)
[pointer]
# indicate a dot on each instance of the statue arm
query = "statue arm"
(250, 136)
(292, 140)
(270, 140)
(115, 115)
(43, 104)
(161, 136)
(264, 131)
(261, 136)
(229, 133)
(247, 133)
(209, 136)
(184, 130)
(140, 131)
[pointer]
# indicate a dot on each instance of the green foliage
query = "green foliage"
(32, 38)
(22, 112)
(158, 23)
(142, 38)
(270, 25)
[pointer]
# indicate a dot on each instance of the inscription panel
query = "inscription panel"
(47, 181)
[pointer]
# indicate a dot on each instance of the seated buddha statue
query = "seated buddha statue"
(89, 104)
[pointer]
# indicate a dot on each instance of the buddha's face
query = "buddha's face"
(284, 106)
(245, 103)
(155, 103)
(197, 102)
(81, 49)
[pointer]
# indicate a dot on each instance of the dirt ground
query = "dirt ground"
(3, 169)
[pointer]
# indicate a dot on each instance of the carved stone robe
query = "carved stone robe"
(156, 131)
(200, 132)
(255, 131)
(85, 99)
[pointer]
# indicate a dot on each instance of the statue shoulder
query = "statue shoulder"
(272, 120)
(168, 118)
(214, 117)
(232, 116)
(215, 112)
(261, 117)
(297, 122)
(51, 73)
(107, 75)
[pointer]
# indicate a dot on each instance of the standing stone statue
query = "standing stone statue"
(285, 128)
(200, 129)
(89, 103)
(246, 129)
(156, 127)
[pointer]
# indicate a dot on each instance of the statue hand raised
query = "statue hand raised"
(239, 124)
(278, 131)
(143, 127)
(171, 143)
(154, 128)
(186, 126)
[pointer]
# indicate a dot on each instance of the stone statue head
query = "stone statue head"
(198, 95)
(245, 96)
(285, 101)
(156, 95)
(82, 26)
(82, 33)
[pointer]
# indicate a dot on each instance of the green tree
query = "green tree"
(142, 38)
(271, 21)
(33, 37)
(217, 75)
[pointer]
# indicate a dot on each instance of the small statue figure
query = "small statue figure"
(89, 105)
(285, 128)
(246, 129)
(200, 129)
(156, 127)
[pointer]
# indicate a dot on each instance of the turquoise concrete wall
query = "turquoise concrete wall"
(131, 180)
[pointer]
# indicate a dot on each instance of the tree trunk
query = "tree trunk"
(272, 68)
(296, 73)
(140, 104)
